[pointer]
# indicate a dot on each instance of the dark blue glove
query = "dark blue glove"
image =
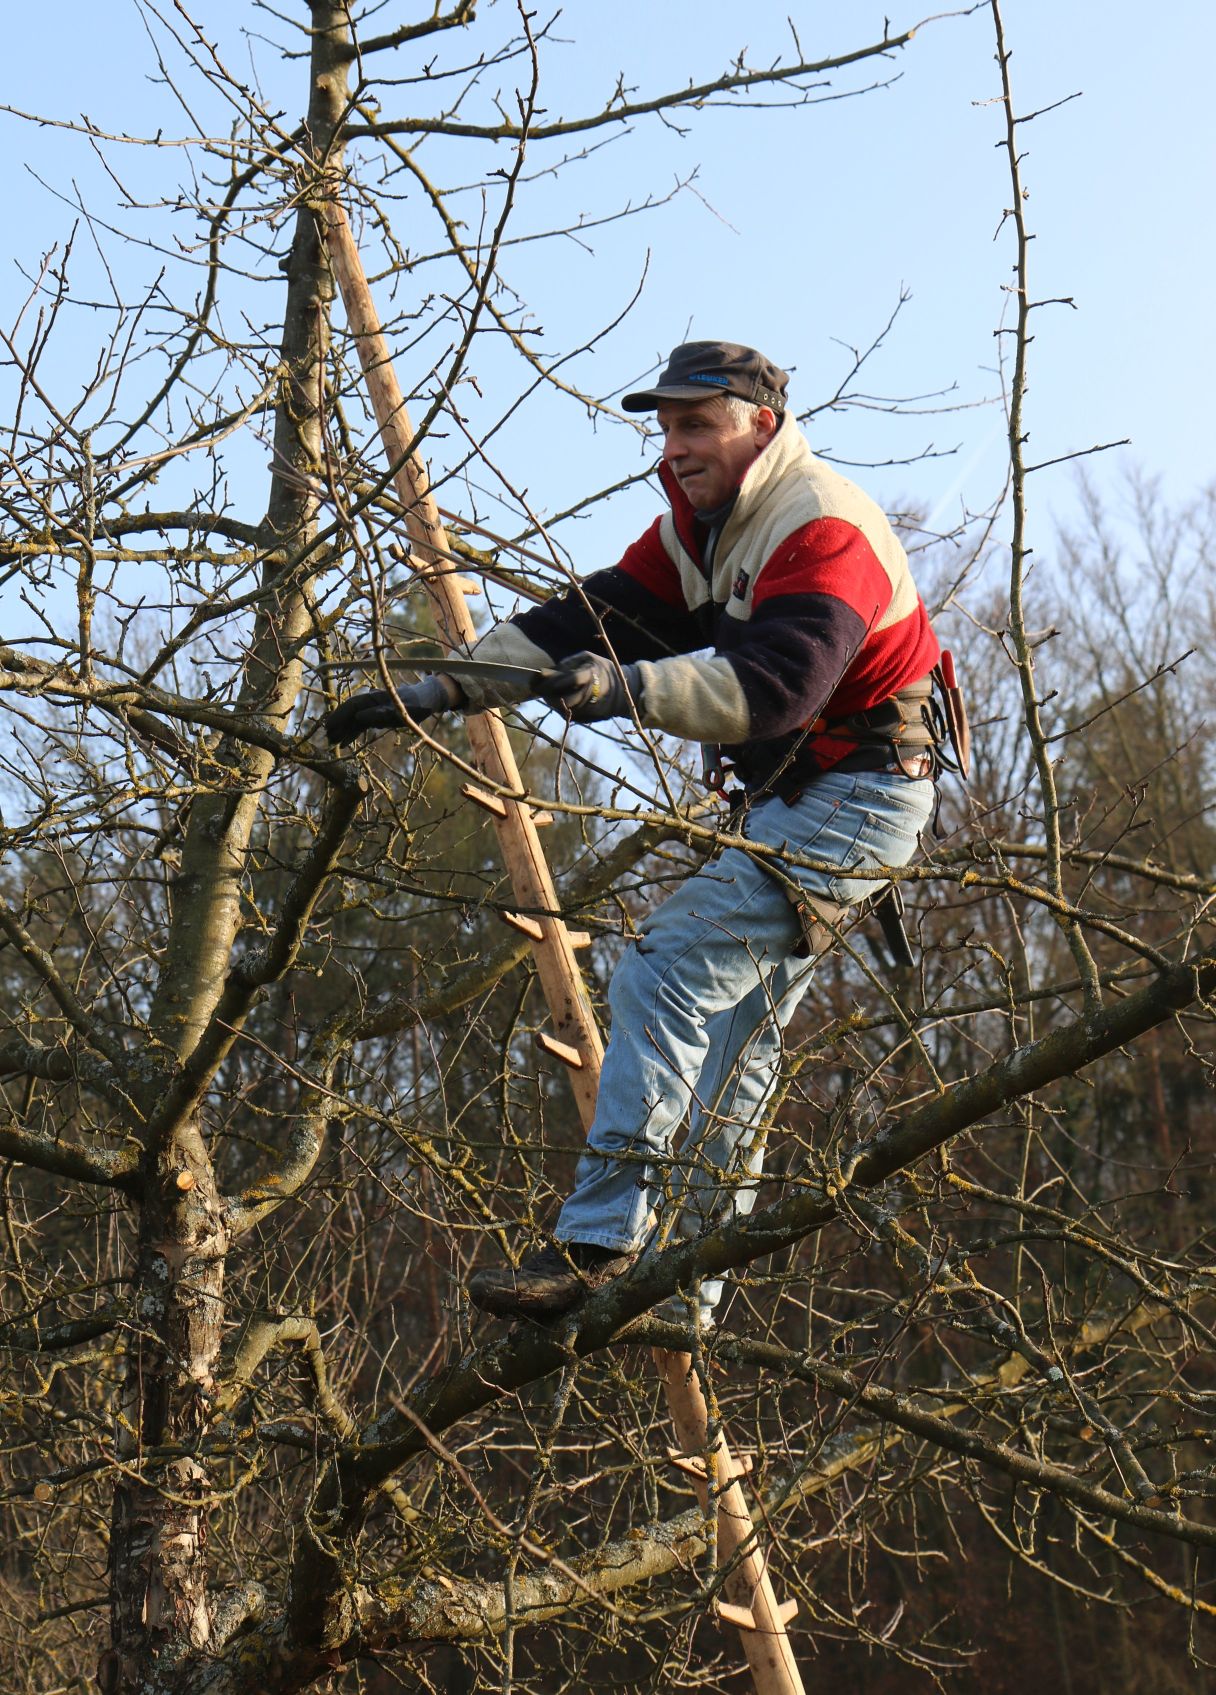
(377, 710)
(590, 689)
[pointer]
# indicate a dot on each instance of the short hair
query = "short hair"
(738, 410)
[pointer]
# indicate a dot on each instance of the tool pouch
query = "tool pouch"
(818, 921)
(954, 712)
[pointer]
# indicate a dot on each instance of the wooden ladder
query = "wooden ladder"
(750, 1603)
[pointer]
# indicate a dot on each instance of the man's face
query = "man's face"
(708, 452)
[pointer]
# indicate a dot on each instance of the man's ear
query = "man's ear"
(764, 425)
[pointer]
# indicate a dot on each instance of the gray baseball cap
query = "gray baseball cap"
(698, 368)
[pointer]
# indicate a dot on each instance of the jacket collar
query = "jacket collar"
(764, 475)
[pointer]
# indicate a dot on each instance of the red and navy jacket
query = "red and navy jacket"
(804, 614)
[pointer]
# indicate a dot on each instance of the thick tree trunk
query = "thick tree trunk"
(159, 1604)
(160, 1608)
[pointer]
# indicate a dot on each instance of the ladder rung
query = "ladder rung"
(560, 1050)
(535, 931)
(498, 806)
(425, 568)
(744, 1619)
(488, 802)
(694, 1464)
(452, 579)
(403, 556)
(530, 927)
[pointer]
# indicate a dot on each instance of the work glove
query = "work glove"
(590, 689)
(377, 710)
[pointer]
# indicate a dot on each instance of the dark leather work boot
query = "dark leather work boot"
(548, 1283)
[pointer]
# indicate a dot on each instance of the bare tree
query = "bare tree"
(268, 1068)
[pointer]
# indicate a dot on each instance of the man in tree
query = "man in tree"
(771, 615)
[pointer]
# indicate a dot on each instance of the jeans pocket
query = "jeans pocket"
(883, 839)
(841, 843)
(845, 890)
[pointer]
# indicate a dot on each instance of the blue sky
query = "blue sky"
(801, 230)
(833, 209)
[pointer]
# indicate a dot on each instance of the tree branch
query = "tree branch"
(263, 1334)
(695, 95)
(264, 964)
(392, 1614)
(90, 1029)
(112, 1170)
(527, 1354)
(462, 13)
(908, 1413)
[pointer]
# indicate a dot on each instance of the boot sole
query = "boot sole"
(514, 1303)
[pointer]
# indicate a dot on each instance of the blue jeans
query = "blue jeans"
(699, 1008)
